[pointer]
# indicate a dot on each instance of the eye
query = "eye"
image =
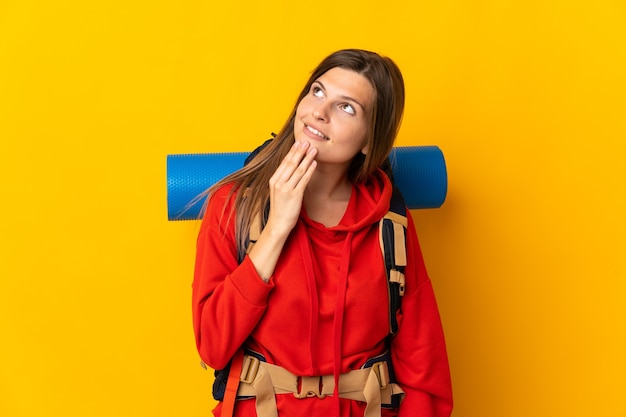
(348, 108)
(317, 91)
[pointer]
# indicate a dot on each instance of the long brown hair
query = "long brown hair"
(385, 120)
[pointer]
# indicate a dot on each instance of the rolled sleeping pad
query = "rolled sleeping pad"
(418, 171)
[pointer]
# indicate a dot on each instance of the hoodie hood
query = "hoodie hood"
(368, 203)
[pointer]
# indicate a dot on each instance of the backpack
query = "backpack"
(392, 236)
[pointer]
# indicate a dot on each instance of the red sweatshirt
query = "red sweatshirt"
(325, 309)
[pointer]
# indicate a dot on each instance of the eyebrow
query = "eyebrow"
(342, 96)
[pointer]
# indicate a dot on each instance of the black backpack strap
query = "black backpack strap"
(255, 152)
(221, 375)
(255, 231)
(258, 221)
(392, 232)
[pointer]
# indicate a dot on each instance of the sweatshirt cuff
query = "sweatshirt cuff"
(250, 285)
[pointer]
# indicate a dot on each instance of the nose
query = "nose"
(320, 112)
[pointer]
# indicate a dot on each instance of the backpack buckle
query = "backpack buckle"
(382, 373)
(309, 386)
(398, 277)
(249, 369)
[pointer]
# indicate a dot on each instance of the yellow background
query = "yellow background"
(525, 98)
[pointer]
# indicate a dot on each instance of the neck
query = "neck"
(326, 197)
(328, 185)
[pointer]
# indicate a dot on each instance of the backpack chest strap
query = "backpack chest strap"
(264, 381)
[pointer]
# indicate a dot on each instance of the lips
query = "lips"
(316, 132)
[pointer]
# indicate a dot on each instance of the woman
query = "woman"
(308, 301)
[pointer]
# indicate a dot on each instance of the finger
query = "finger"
(292, 160)
(305, 168)
(282, 167)
(306, 177)
(289, 161)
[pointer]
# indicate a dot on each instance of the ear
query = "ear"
(365, 149)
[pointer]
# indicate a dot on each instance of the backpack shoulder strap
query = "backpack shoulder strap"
(256, 226)
(392, 232)
(255, 232)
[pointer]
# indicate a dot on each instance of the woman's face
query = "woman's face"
(334, 116)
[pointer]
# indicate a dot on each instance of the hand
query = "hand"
(287, 187)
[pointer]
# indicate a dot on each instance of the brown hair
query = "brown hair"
(385, 120)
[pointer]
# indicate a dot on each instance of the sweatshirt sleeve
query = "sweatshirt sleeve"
(418, 349)
(228, 299)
